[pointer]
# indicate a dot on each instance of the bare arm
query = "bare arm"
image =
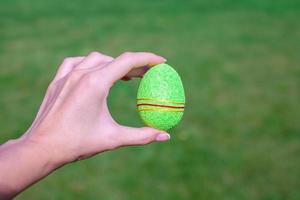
(73, 121)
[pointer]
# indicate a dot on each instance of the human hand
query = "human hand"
(74, 121)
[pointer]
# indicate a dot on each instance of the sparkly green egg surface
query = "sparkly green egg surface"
(160, 98)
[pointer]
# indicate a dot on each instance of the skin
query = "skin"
(73, 121)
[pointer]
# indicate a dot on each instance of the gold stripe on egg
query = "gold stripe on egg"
(160, 110)
(160, 100)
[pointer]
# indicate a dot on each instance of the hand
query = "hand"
(74, 121)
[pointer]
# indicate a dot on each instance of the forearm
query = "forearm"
(22, 163)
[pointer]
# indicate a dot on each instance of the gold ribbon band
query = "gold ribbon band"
(160, 110)
(161, 100)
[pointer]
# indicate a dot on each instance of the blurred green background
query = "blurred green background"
(240, 65)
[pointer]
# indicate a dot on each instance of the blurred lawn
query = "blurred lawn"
(240, 64)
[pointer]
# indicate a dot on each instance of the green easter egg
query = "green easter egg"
(160, 98)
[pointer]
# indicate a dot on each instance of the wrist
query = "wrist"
(55, 150)
(22, 163)
(40, 151)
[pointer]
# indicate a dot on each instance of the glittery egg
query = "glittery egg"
(160, 98)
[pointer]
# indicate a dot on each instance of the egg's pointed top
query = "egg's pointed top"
(162, 81)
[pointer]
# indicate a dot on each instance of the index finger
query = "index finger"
(124, 63)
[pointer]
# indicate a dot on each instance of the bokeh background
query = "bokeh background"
(240, 65)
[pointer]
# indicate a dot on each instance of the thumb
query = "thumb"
(140, 136)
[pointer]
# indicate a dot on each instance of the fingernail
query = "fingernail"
(145, 69)
(162, 137)
(164, 59)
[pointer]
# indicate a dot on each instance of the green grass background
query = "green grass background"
(240, 65)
